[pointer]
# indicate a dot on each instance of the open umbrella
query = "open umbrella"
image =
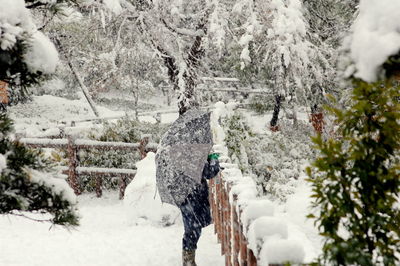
(181, 156)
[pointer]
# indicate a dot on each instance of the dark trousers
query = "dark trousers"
(192, 227)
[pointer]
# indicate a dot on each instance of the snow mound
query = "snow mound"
(256, 209)
(143, 203)
(280, 251)
(42, 55)
(265, 228)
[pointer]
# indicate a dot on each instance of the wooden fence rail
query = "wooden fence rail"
(74, 170)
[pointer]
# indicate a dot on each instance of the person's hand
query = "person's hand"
(213, 156)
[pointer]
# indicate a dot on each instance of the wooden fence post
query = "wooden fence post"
(212, 203)
(122, 186)
(252, 261)
(72, 164)
(243, 245)
(236, 231)
(99, 183)
(221, 236)
(142, 146)
(228, 226)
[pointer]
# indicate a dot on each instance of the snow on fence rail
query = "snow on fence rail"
(74, 171)
(244, 223)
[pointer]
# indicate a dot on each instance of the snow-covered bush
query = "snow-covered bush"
(261, 103)
(375, 37)
(237, 137)
(275, 160)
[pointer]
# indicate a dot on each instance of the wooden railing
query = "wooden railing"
(74, 170)
(227, 225)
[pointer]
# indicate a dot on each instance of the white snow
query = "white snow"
(14, 20)
(42, 55)
(376, 36)
(103, 238)
(255, 209)
(132, 232)
(36, 141)
(264, 228)
(114, 6)
(143, 203)
(3, 162)
(16, 24)
(276, 252)
(57, 183)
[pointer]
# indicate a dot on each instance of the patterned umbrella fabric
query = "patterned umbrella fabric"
(181, 156)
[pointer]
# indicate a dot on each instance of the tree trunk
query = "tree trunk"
(80, 81)
(274, 121)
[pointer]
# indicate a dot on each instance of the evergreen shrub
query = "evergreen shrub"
(356, 182)
(20, 191)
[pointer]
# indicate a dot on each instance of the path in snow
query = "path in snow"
(105, 237)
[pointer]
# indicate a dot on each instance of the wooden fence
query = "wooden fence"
(227, 225)
(74, 170)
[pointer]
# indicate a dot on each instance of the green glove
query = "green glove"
(213, 156)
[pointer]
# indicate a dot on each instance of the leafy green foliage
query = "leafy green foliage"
(18, 192)
(356, 182)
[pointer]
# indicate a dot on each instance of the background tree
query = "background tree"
(277, 32)
(103, 45)
(178, 31)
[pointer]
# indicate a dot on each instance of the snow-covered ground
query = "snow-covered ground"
(105, 237)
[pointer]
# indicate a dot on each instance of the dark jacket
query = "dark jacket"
(197, 206)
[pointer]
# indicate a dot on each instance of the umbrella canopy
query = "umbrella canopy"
(181, 156)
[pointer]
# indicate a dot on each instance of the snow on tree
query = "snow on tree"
(375, 38)
(178, 31)
(101, 42)
(26, 54)
(330, 20)
(292, 64)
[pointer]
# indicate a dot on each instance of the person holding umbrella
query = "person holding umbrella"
(184, 163)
